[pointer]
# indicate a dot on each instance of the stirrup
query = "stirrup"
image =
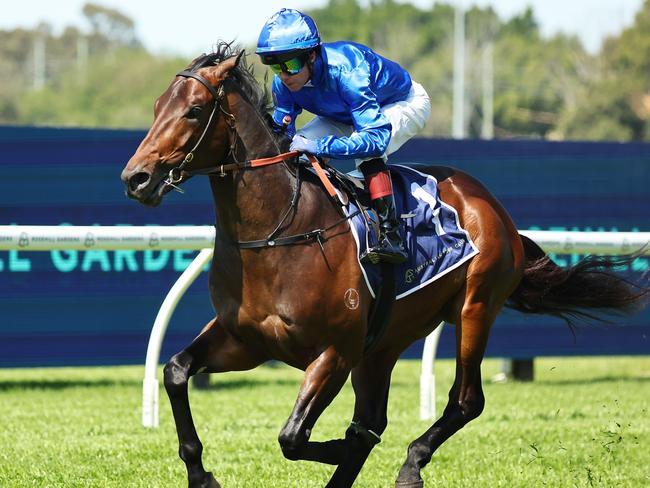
(383, 254)
(369, 256)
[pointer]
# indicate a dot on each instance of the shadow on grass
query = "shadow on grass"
(593, 381)
(63, 384)
(217, 383)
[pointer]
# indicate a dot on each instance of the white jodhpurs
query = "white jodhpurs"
(407, 118)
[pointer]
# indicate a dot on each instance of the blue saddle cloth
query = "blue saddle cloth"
(434, 240)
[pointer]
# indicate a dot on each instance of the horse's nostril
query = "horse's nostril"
(138, 180)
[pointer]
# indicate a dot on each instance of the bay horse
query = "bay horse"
(287, 302)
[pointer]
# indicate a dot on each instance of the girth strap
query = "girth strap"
(314, 235)
(382, 307)
(311, 236)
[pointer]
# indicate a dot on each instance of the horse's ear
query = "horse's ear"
(239, 56)
(226, 66)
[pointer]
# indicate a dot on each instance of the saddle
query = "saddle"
(431, 231)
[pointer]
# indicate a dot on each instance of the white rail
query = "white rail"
(150, 383)
(47, 238)
(133, 238)
(609, 243)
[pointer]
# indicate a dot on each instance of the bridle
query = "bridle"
(218, 94)
(175, 174)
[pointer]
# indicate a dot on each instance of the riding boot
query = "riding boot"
(389, 248)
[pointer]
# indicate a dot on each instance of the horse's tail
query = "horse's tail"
(588, 290)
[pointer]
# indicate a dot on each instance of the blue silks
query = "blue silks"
(349, 84)
(287, 30)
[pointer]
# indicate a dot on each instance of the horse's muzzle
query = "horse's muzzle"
(141, 187)
(137, 182)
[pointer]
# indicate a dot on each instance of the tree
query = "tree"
(535, 78)
(111, 26)
(615, 104)
(109, 95)
(62, 64)
(543, 87)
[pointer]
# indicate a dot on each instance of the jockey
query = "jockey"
(367, 106)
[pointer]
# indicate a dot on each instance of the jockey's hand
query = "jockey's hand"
(302, 144)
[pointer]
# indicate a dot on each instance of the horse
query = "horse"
(287, 302)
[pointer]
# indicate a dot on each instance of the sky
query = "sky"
(190, 27)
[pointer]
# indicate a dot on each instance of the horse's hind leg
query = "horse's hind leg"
(214, 350)
(479, 309)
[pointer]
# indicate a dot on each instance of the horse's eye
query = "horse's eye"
(194, 112)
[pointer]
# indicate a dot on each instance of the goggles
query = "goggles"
(291, 66)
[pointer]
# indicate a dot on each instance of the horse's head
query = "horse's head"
(190, 131)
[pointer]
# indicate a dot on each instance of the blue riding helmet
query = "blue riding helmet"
(287, 32)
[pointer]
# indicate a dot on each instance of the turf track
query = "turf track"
(583, 422)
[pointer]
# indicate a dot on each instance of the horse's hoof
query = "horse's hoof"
(409, 484)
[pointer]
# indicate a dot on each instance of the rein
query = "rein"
(272, 240)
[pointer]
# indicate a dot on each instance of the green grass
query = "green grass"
(583, 422)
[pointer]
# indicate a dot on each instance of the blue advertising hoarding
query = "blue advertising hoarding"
(97, 307)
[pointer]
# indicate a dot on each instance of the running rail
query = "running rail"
(109, 238)
(136, 238)
(48, 238)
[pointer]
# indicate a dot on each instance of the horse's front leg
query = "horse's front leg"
(371, 383)
(323, 380)
(214, 350)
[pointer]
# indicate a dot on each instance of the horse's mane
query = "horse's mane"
(243, 74)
